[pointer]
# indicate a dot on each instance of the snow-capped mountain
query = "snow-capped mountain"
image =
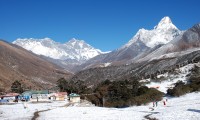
(72, 50)
(163, 33)
(185, 43)
(142, 43)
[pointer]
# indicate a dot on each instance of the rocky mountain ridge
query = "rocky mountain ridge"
(75, 50)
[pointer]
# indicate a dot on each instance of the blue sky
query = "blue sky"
(104, 24)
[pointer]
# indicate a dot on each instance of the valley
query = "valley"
(155, 65)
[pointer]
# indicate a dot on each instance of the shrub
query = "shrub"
(117, 104)
(143, 96)
(192, 85)
(17, 87)
(123, 94)
(195, 86)
(142, 90)
(179, 89)
(94, 100)
(150, 95)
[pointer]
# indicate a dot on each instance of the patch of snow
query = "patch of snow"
(106, 64)
(162, 75)
(145, 80)
(171, 79)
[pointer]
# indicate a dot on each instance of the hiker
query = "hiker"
(25, 105)
(164, 103)
(156, 103)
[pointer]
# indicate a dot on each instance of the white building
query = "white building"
(73, 97)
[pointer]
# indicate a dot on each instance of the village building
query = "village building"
(9, 97)
(75, 98)
(34, 95)
(59, 96)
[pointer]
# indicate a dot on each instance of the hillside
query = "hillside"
(19, 64)
(182, 50)
(137, 71)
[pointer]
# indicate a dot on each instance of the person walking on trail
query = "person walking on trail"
(25, 105)
(156, 103)
(164, 103)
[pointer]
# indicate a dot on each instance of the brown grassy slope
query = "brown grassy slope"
(17, 63)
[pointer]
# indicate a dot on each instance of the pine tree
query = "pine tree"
(17, 87)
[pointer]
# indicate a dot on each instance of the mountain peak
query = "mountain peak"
(163, 33)
(47, 39)
(165, 20)
(75, 40)
(165, 23)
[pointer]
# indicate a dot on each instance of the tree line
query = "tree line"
(112, 93)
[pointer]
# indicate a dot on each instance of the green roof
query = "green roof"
(74, 95)
(29, 93)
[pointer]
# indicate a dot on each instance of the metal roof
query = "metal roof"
(74, 95)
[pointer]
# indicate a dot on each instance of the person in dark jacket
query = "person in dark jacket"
(156, 103)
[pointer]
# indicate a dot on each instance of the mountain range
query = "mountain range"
(77, 55)
(146, 53)
(74, 49)
(144, 42)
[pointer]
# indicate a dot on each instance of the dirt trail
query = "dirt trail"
(149, 118)
(36, 114)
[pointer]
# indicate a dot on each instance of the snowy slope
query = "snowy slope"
(17, 111)
(182, 108)
(163, 33)
(171, 78)
(185, 107)
(74, 49)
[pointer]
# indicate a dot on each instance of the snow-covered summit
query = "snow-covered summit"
(165, 23)
(74, 49)
(162, 33)
(78, 44)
